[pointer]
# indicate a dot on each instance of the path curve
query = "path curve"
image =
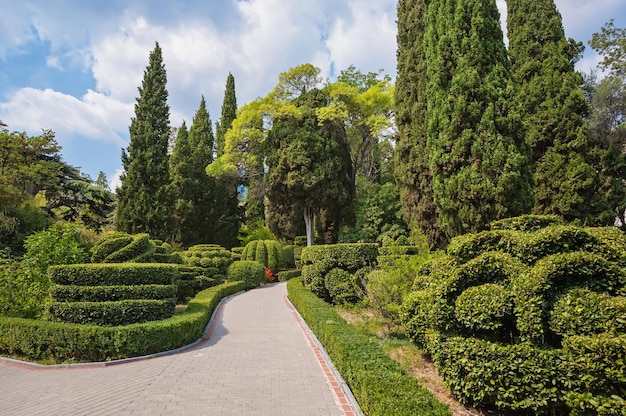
(260, 360)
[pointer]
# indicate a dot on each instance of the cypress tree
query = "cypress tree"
(412, 171)
(183, 188)
(477, 155)
(144, 202)
(549, 91)
(229, 113)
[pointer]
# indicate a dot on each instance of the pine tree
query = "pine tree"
(183, 188)
(477, 155)
(229, 113)
(412, 170)
(144, 202)
(550, 92)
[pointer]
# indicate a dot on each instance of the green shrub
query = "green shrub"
(117, 313)
(250, 272)
(379, 384)
(236, 253)
(349, 257)
(139, 250)
(108, 246)
(469, 246)
(342, 286)
(297, 256)
(288, 256)
(114, 274)
(386, 291)
(583, 312)
(300, 241)
(43, 340)
(417, 315)
(288, 275)
(62, 293)
(485, 307)
(267, 252)
(313, 276)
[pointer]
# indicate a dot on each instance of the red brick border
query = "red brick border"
(340, 395)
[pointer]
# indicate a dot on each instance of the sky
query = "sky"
(74, 66)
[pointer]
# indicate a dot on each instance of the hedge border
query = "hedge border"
(42, 340)
(378, 383)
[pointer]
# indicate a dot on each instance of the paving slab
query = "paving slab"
(260, 359)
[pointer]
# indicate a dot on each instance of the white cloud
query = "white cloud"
(115, 181)
(95, 115)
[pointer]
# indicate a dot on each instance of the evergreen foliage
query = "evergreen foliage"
(229, 113)
(566, 182)
(411, 153)
(477, 155)
(144, 202)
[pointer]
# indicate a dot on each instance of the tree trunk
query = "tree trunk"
(308, 222)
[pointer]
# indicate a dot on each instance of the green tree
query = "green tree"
(477, 156)
(102, 181)
(229, 113)
(549, 91)
(144, 203)
(183, 187)
(610, 43)
(412, 169)
(306, 162)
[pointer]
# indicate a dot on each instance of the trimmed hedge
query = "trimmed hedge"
(379, 384)
(208, 256)
(349, 257)
(68, 293)
(252, 273)
(267, 252)
(527, 222)
(123, 312)
(288, 275)
(43, 340)
(113, 274)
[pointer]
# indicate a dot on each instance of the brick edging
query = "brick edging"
(343, 395)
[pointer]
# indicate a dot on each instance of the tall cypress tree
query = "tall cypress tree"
(549, 91)
(412, 171)
(229, 113)
(144, 201)
(477, 155)
(183, 189)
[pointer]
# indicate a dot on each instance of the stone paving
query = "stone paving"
(260, 359)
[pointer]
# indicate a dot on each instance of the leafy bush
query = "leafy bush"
(499, 312)
(349, 257)
(386, 291)
(39, 340)
(342, 286)
(267, 252)
(300, 241)
(70, 293)
(116, 313)
(252, 273)
(527, 222)
(379, 384)
(114, 274)
(288, 275)
(288, 256)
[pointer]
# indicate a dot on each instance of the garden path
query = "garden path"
(260, 359)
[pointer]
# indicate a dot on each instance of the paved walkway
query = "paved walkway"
(259, 360)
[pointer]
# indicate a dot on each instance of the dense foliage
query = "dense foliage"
(143, 200)
(501, 312)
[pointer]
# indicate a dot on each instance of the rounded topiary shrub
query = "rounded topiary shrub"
(125, 248)
(248, 271)
(342, 286)
(267, 252)
(484, 307)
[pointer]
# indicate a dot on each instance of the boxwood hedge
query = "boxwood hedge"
(61, 342)
(72, 293)
(113, 274)
(112, 313)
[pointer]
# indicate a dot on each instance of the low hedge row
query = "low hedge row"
(116, 313)
(379, 384)
(113, 274)
(586, 377)
(72, 293)
(350, 257)
(44, 340)
(288, 275)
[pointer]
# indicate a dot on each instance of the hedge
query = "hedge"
(113, 274)
(267, 252)
(379, 384)
(349, 257)
(527, 222)
(252, 273)
(43, 340)
(115, 313)
(108, 246)
(288, 275)
(139, 250)
(67, 293)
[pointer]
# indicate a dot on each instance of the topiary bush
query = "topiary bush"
(343, 287)
(267, 252)
(124, 248)
(250, 272)
(499, 314)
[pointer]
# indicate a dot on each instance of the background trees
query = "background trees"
(144, 200)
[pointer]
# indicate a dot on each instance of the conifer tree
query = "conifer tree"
(229, 113)
(549, 91)
(477, 156)
(412, 171)
(144, 201)
(183, 187)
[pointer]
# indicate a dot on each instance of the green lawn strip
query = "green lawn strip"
(57, 342)
(379, 384)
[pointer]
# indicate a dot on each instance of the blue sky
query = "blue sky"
(74, 66)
